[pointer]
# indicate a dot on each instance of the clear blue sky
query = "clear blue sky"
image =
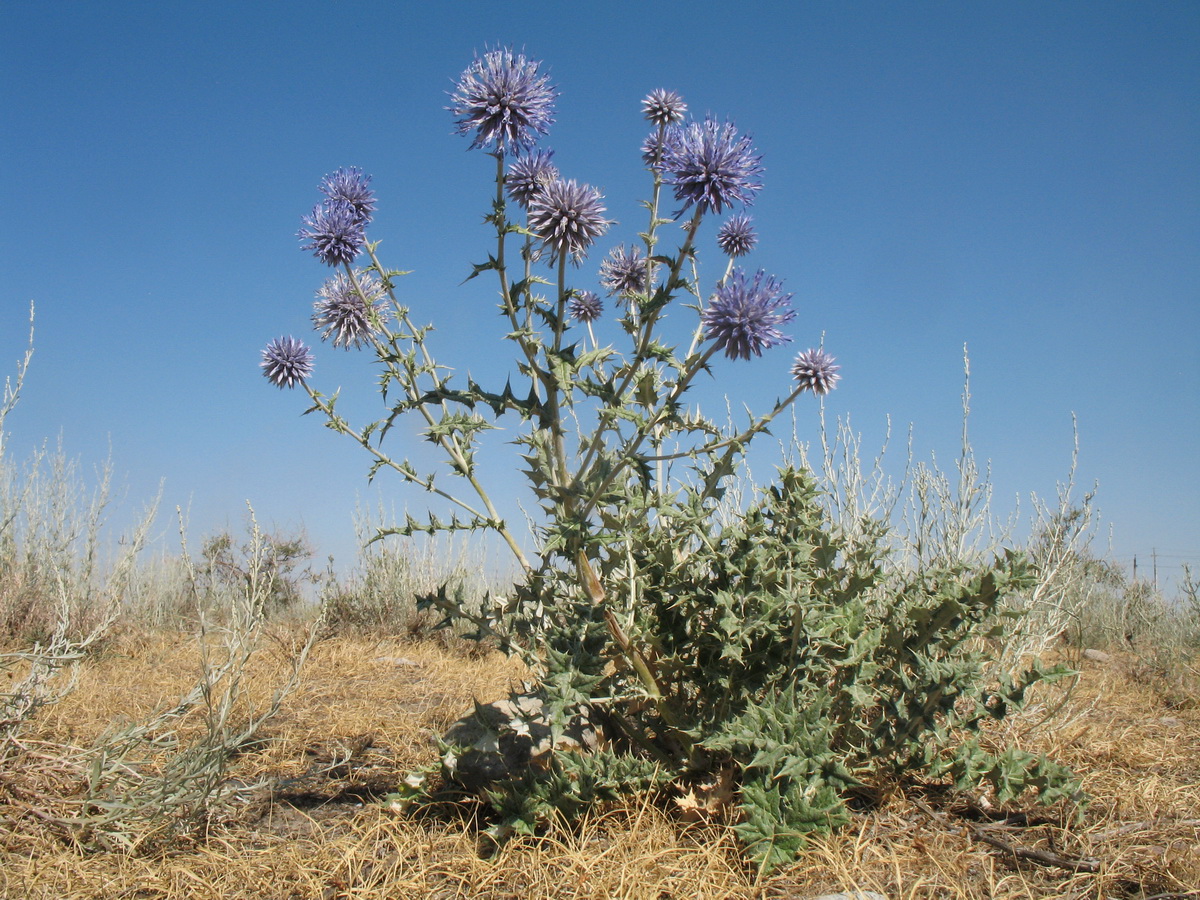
(1019, 177)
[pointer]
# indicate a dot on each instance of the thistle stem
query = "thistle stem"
(763, 422)
(628, 454)
(510, 305)
(644, 670)
(554, 389)
(337, 423)
(448, 442)
(635, 365)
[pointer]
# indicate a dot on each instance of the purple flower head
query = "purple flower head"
(348, 185)
(334, 233)
(710, 166)
(503, 100)
(528, 175)
(286, 362)
(736, 236)
(624, 271)
(814, 371)
(745, 314)
(585, 306)
(654, 148)
(342, 312)
(568, 217)
(663, 107)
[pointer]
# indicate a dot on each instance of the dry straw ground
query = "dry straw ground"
(309, 824)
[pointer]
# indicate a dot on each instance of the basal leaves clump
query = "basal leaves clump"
(763, 652)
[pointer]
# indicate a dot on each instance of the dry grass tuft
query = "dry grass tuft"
(306, 824)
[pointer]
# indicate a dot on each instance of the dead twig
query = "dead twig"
(1144, 825)
(1041, 857)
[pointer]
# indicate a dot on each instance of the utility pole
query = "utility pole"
(1154, 559)
(1135, 568)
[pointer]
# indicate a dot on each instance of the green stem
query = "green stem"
(554, 390)
(341, 425)
(448, 442)
(645, 672)
(628, 454)
(763, 422)
(635, 365)
(510, 305)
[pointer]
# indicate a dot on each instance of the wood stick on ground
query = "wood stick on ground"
(1144, 825)
(1042, 857)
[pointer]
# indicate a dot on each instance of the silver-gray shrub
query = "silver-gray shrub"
(60, 598)
(701, 640)
(152, 778)
(381, 594)
(946, 516)
(60, 594)
(58, 575)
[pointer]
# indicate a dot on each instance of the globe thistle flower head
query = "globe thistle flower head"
(286, 362)
(350, 186)
(568, 217)
(814, 371)
(333, 232)
(624, 271)
(736, 236)
(529, 174)
(504, 101)
(711, 167)
(663, 107)
(654, 148)
(744, 316)
(344, 313)
(585, 306)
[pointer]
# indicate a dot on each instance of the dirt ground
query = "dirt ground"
(309, 821)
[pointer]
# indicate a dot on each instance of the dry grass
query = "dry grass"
(307, 826)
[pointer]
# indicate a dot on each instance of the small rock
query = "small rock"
(1097, 655)
(500, 739)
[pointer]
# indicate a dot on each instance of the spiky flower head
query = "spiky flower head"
(663, 107)
(814, 371)
(529, 174)
(624, 271)
(286, 362)
(502, 99)
(585, 306)
(343, 311)
(711, 166)
(334, 233)
(350, 186)
(654, 148)
(568, 217)
(736, 236)
(745, 314)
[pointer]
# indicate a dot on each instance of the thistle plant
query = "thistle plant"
(746, 649)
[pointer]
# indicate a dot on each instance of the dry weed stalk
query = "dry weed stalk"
(45, 581)
(128, 801)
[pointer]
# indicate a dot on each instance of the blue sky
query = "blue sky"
(1018, 177)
